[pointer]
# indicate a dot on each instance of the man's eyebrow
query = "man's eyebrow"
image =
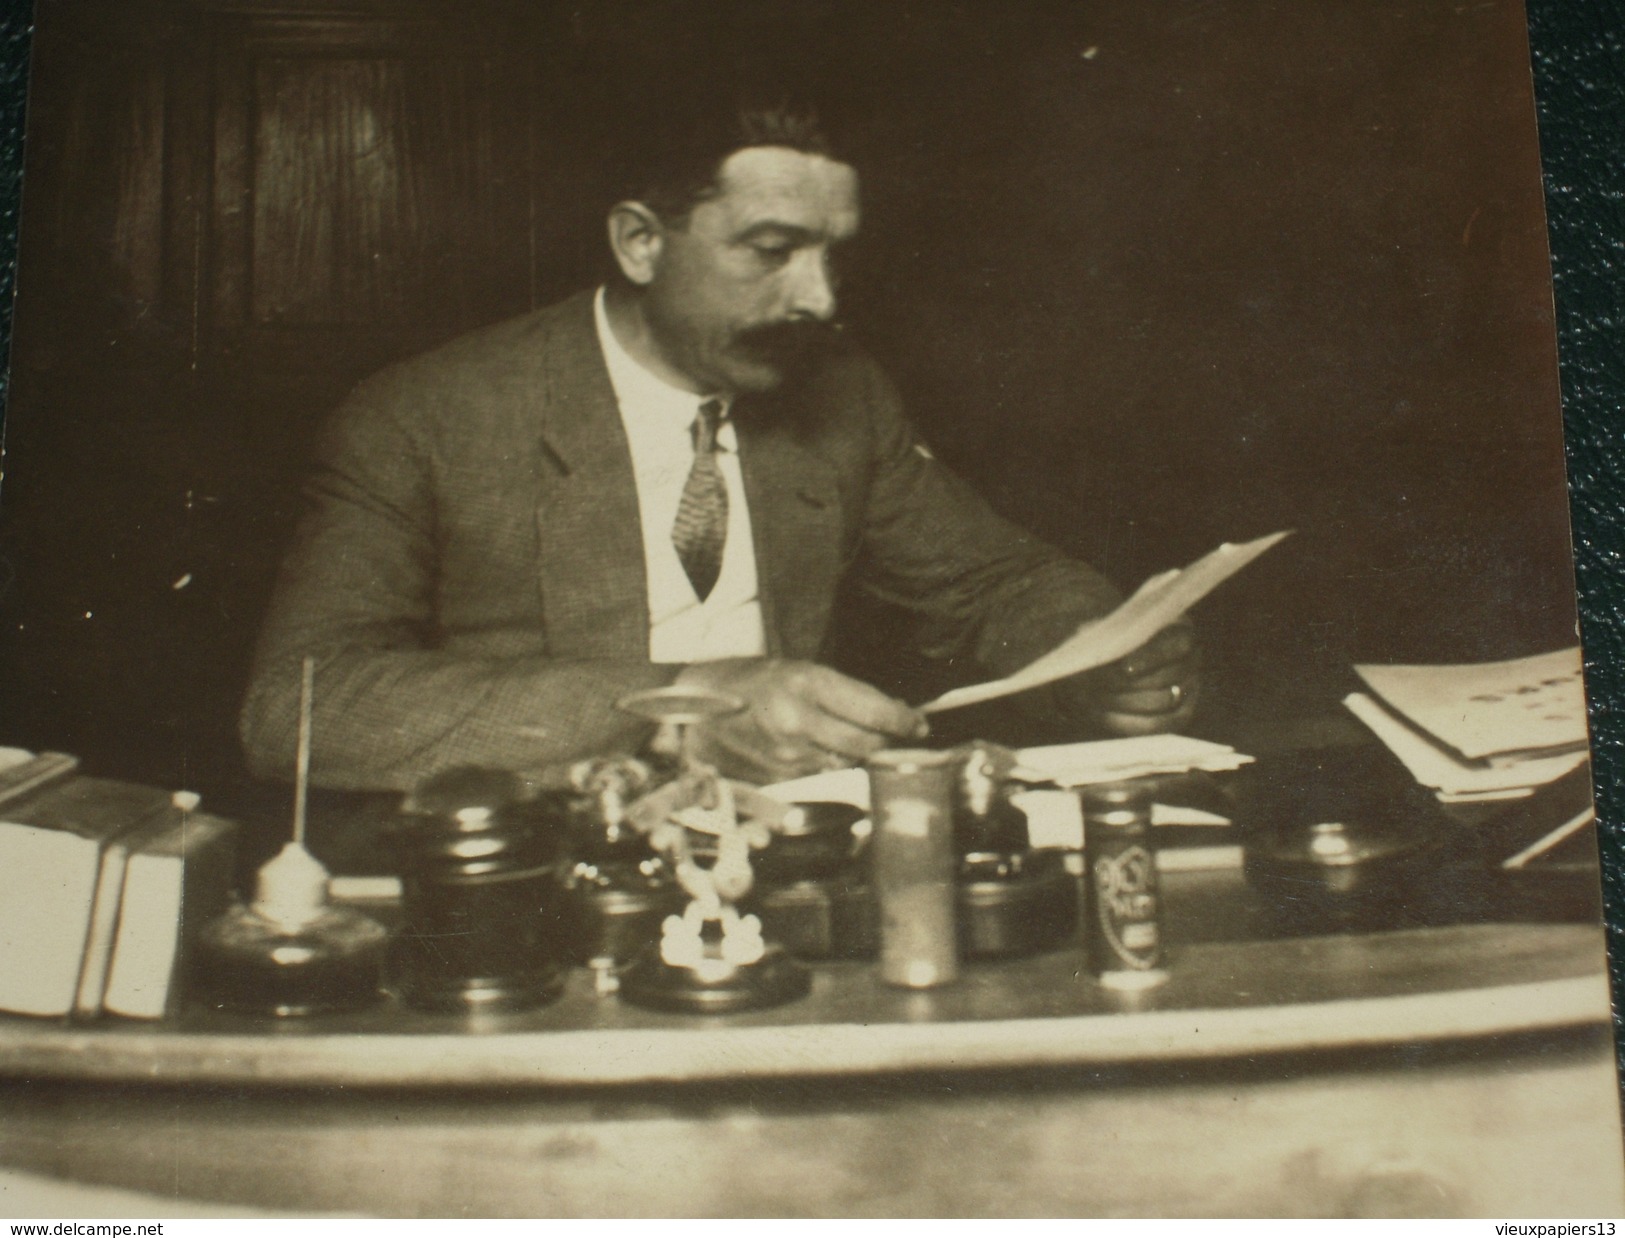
(778, 229)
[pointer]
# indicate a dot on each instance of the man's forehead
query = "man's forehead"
(778, 184)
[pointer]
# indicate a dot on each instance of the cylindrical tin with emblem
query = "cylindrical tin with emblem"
(912, 863)
(1123, 933)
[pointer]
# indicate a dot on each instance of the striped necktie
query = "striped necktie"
(702, 514)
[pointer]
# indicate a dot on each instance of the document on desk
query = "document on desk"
(1161, 600)
(1501, 713)
(1453, 779)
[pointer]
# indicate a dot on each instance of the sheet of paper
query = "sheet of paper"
(1158, 602)
(1484, 797)
(1490, 710)
(836, 786)
(1111, 760)
(1433, 767)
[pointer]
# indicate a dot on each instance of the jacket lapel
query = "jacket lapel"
(795, 516)
(595, 598)
(594, 586)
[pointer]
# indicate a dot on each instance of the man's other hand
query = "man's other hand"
(1151, 691)
(799, 718)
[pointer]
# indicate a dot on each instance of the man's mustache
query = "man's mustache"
(789, 339)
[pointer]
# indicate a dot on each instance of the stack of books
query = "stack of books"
(102, 884)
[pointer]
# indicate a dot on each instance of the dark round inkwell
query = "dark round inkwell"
(614, 888)
(1344, 841)
(477, 868)
(1011, 900)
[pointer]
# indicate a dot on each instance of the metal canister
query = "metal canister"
(1124, 917)
(912, 865)
(478, 887)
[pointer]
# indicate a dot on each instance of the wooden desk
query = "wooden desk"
(1456, 1069)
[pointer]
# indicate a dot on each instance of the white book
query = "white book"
(174, 883)
(47, 884)
(98, 952)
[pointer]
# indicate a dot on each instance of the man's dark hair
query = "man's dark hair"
(672, 166)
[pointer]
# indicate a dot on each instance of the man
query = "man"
(665, 481)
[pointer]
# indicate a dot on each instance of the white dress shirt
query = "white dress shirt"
(659, 419)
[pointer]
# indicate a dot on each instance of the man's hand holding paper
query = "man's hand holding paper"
(1152, 690)
(1142, 654)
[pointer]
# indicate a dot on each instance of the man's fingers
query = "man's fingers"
(748, 754)
(1134, 725)
(836, 735)
(1158, 680)
(866, 708)
(1174, 644)
(1169, 706)
(1151, 703)
(801, 717)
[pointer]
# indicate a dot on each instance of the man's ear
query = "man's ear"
(636, 236)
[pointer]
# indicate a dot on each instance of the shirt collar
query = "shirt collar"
(639, 391)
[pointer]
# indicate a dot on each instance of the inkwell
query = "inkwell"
(615, 889)
(1012, 900)
(1009, 899)
(482, 922)
(291, 951)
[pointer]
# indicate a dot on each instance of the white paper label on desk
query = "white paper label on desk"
(1117, 760)
(1054, 818)
(837, 786)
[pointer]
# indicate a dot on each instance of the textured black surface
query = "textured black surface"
(1579, 63)
(14, 31)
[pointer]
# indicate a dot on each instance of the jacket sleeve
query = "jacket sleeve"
(983, 591)
(357, 594)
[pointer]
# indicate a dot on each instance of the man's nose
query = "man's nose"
(812, 286)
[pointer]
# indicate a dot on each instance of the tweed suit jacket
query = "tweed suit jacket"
(469, 572)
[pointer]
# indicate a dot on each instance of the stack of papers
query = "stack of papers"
(1055, 818)
(1069, 765)
(1485, 731)
(1115, 760)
